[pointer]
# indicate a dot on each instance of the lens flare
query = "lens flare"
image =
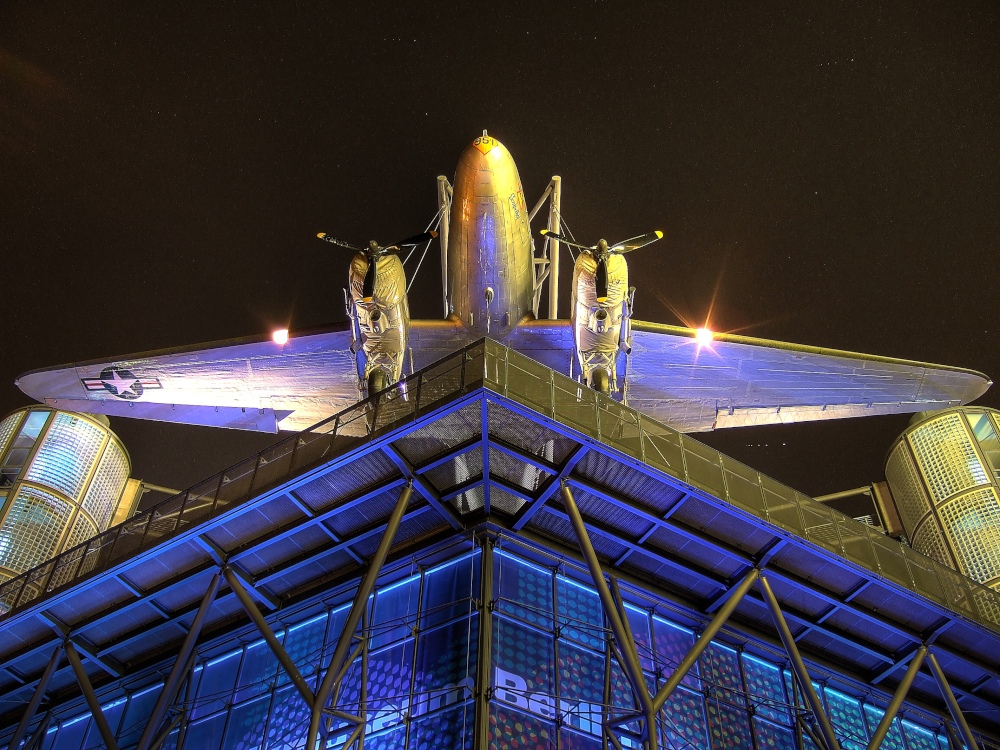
(704, 337)
(280, 336)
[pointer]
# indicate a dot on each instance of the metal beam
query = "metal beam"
(897, 699)
(272, 640)
(180, 666)
(88, 693)
(410, 474)
(949, 698)
(633, 669)
(365, 588)
(798, 666)
(735, 596)
(36, 699)
(484, 661)
(565, 469)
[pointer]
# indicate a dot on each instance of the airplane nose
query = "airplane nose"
(486, 153)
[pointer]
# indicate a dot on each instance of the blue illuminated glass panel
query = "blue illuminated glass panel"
(524, 675)
(581, 682)
(247, 723)
(893, 740)
(848, 721)
(257, 673)
(140, 706)
(206, 734)
(113, 714)
(580, 615)
(289, 720)
(766, 689)
(215, 688)
(449, 590)
(672, 642)
(683, 719)
(771, 735)
(304, 644)
(918, 737)
(451, 728)
(524, 590)
(446, 665)
(389, 673)
(514, 730)
(395, 612)
(638, 622)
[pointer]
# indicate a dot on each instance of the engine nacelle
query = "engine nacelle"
(381, 322)
(597, 326)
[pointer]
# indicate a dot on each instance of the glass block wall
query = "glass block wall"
(61, 477)
(943, 473)
(552, 682)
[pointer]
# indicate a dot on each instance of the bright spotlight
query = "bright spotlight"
(280, 337)
(703, 336)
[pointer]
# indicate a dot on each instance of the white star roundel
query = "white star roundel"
(121, 383)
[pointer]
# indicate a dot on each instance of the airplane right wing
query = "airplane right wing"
(742, 381)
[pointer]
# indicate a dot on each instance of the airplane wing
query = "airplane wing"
(256, 384)
(249, 384)
(742, 381)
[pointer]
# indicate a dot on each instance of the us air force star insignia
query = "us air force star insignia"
(121, 383)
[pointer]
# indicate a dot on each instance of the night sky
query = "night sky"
(823, 174)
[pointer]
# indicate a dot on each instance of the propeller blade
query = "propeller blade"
(340, 243)
(563, 239)
(417, 239)
(601, 280)
(627, 246)
(368, 286)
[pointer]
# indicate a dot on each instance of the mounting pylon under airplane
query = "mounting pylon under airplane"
(493, 283)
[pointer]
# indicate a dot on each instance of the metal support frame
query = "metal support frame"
(444, 206)
(273, 643)
(484, 660)
(949, 698)
(630, 658)
(181, 665)
(88, 693)
(338, 661)
(798, 666)
(691, 657)
(555, 214)
(897, 699)
(36, 699)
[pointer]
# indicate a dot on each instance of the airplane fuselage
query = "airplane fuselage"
(490, 259)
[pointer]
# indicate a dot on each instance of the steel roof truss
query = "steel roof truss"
(181, 666)
(36, 698)
(358, 607)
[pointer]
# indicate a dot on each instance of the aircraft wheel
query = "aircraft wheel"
(377, 381)
(600, 381)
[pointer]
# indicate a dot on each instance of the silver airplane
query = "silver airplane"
(493, 281)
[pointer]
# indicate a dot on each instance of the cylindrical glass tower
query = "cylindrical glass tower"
(943, 473)
(61, 478)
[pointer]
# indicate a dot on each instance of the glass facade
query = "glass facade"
(555, 681)
(943, 473)
(62, 475)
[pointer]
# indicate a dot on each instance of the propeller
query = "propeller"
(601, 251)
(374, 251)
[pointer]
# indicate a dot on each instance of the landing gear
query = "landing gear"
(600, 380)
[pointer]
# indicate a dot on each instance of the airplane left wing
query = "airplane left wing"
(248, 384)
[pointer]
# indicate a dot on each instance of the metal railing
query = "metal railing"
(524, 381)
(270, 468)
